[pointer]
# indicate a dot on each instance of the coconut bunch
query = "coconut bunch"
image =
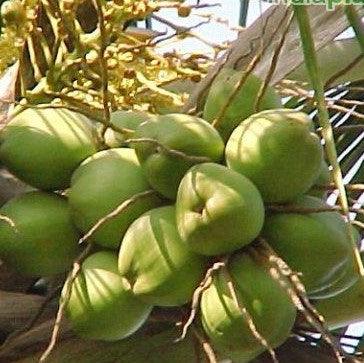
(175, 208)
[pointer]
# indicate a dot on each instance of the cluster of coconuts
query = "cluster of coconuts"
(210, 189)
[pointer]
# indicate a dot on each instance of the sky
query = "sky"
(214, 32)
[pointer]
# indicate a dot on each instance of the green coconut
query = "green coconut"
(101, 304)
(323, 179)
(125, 120)
(218, 210)
(39, 238)
(276, 150)
(344, 309)
(265, 299)
(152, 257)
(101, 184)
(243, 103)
(44, 146)
(316, 245)
(189, 134)
(347, 278)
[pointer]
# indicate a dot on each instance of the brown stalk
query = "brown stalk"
(274, 63)
(248, 318)
(205, 283)
(300, 296)
(103, 65)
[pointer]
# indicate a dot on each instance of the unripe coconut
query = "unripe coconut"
(315, 244)
(152, 257)
(43, 240)
(44, 146)
(189, 134)
(347, 278)
(125, 120)
(101, 184)
(218, 210)
(263, 297)
(102, 304)
(346, 308)
(277, 151)
(243, 103)
(323, 179)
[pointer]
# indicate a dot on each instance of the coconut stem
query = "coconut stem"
(299, 297)
(103, 64)
(206, 346)
(355, 21)
(247, 316)
(273, 67)
(323, 118)
(204, 284)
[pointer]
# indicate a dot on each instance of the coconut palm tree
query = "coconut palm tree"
(89, 56)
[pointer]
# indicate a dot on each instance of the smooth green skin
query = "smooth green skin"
(128, 120)
(314, 244)
(276, 150)
(324, 178)
(102, 183)
(344, 309)
(44, 241)
(102, 305)
(242, 105)
(267, 302)
(189, 134)
(347, 278)
(218, 210)
(43, 147)
(155, 261)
